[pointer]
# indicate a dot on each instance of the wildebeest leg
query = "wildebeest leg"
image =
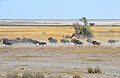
(36, 44)
(75, 44)
(99, 45)
(10, 45)
(46, 45)
(81, 44)
(5, 46)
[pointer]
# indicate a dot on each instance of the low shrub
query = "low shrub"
(90, 70)
(94, 70)
(97, 70)
(76, 76)
(26, 74)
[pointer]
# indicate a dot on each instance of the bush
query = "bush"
(76, 76)
(26, 74)
(97, 70)
(90, 70)
(94, 70)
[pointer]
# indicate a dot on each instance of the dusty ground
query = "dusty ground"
(63, 59)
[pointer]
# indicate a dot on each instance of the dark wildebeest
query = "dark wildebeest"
(74, 40)
(42, 43)
(77, 42)
(65, 41)
(34, 42)
(7, 42)
(27, 40)
(96, 43)
(18, 40)
(52, 40)
(113, 41)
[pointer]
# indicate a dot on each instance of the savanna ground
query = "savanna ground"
(66, 60)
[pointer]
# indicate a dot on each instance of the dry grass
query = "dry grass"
(38, 32)
(43, 32)
(106, 32)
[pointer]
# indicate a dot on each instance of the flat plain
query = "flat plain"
(64, 59)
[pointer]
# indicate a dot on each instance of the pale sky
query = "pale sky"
(59, 9)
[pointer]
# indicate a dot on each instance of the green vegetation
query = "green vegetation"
(94, 70)
(82, 30)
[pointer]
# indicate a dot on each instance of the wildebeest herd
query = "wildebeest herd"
(51, 40)
(10, 42)
(78, 42)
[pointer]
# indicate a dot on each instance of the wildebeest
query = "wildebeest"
(52, 40)
(74, 40)
(113, 41)
(18, 40)
(96, 43)
(65, 41)
(35, 42)
(27, 40)
(77, 42)
(42, 43)
(7, 42)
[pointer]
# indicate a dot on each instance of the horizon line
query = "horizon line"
(58, 19)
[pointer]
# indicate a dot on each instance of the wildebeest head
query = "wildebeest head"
(50, 38)
(18, 38)
(7, 42)
(4, 39)
(96, 43)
